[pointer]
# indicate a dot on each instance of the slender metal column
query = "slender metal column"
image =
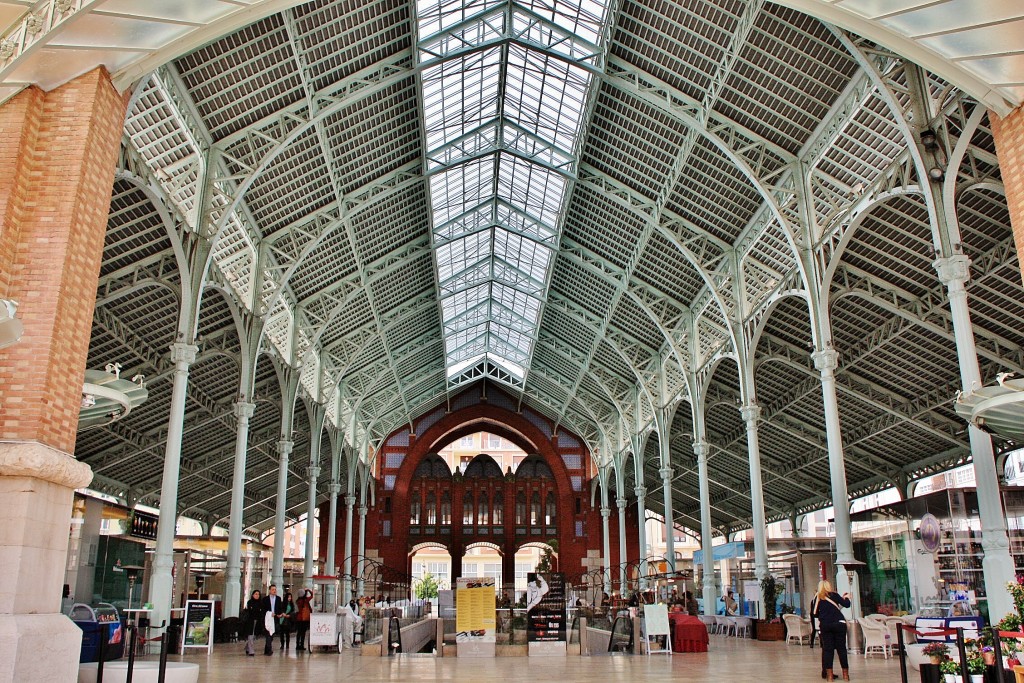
(233, 574)
(702, 450)
(997, 563)
(826, 361)
(332, 529)
(641, 511)
(162, 584)
(606, 545)
(312, 472)
(362, 545)
(284, 450)
(623, 577)
(346, 570)
(751, 413)
(670, 536)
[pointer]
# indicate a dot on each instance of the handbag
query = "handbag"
(268, 622)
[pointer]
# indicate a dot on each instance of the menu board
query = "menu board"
(198, 625)
(475, 608)
(545, 607)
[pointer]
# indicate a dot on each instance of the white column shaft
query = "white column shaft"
(162, 583)
(308, 564)
(233, 573)
(606, 546)
(751, 413)
(284, 450)
(346, 569)
(703, 450)
(641, 511)
(362, 545)
(623, 577)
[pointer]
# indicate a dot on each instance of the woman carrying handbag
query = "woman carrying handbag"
(832, 628)
(255, 616)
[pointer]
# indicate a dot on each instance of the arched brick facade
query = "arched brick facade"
(577, 527)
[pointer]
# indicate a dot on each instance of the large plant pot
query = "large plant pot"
(767, 630)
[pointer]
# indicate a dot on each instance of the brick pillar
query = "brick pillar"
(58, 151)
(1009, 137)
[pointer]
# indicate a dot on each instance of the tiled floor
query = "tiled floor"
(729, 660)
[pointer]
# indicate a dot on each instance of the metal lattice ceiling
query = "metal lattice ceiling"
(572, 200)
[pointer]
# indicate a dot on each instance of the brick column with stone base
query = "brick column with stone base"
(58, 152)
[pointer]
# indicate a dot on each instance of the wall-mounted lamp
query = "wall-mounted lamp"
(929, 139)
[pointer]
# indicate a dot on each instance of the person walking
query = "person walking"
(303, 608)
(255, 616)
(285, 625)
(273, 605)
(832, 629)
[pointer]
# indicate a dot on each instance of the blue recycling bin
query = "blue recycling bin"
(99, 623)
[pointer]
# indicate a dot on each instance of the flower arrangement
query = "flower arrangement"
(948, 666)
(939, 650)
(975, 665)
(1016, 590)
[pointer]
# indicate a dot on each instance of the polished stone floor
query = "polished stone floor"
(730, 659)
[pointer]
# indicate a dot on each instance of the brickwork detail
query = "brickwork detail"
(58, 153)
(1009, 137)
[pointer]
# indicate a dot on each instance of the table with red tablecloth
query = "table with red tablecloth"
(689, 634)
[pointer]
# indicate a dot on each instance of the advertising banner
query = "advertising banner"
(545, 611)
(198, 625)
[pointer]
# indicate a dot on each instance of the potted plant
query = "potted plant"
(950, 671)
(976, 668)
(936, 651)
(771, 627)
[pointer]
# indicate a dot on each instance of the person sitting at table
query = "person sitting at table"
(677, 608)
(692, 608)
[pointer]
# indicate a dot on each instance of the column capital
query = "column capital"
(621, 503)
(313, 471)
(825, 359)
(751, 413)
(666, 473)
(350, 500)
(640, 492)
(243, 409)
(955, 268)
(363, 510)
(183, 353)
(334, 488)
(284, 447)
(701, 449)
(606, 511)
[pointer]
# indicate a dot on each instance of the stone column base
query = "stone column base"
(39, 647)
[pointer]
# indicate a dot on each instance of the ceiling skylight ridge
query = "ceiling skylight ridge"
(502, 145)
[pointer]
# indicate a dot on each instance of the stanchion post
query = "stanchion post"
(997, 649)
(132, 637)
(903, 655)
(161, 674)
(101, 649)
(963, 654)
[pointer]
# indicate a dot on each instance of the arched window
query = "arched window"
(497, 511)
(535, 509)
(521, 508)
(414, 509)
(431, 509)
(467, 509)
(550, 508)
(483, 512)
(446, 509)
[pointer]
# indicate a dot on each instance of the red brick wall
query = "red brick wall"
(1009, 137)
(58, 152)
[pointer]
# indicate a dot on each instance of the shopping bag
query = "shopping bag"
(268, 621)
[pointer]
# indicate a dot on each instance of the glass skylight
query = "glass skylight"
(505, 87)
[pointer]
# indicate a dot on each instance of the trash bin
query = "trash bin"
(854, 637)
(99, 624)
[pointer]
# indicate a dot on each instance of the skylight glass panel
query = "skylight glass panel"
(502, 140)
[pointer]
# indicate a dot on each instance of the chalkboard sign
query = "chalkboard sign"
(198, 625)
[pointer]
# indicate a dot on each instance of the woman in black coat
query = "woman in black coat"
(832, 628)
(256, 614)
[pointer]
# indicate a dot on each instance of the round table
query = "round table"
(689, 634)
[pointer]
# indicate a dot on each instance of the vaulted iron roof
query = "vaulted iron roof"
(581, 202)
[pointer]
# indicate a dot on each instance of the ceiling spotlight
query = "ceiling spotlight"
(928, 139)
(936, 174)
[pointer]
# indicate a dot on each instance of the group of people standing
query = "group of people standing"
(275, 615)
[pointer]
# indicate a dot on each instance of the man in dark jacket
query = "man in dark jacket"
(272, 604)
